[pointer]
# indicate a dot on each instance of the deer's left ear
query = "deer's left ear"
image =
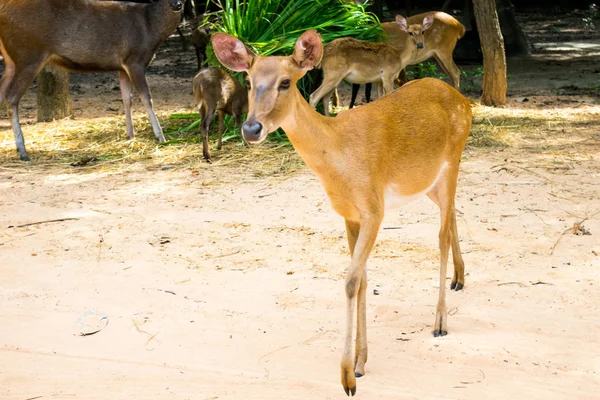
(402, 24)
(308, 50)
(427, 21)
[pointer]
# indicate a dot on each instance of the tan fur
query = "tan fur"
(408, 142)
(216, 91)
(439, 41)
(357, 61)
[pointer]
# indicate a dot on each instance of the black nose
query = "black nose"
(252, 130)
(176, 5)
(420, 45)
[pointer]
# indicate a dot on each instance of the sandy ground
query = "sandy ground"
(220, 286)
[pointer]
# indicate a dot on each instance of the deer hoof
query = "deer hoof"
(456, 286)
(438, 333)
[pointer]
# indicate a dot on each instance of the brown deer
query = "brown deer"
(216, 91)
(83, 36)
(357, 61)
(415, 139)
(421, 37)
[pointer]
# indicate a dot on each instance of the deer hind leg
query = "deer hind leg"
(206, 114)
(127, 94)
(458, 278)
(363, 235)
(221, 129)
(13, 85)
(447, 64)
(138, 79)
(443, 195)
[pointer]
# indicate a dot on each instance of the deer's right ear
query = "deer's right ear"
(308, 50)
(401, 21)
(231, 52)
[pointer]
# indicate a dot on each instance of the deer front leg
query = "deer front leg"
(355, 287)
(127, 94)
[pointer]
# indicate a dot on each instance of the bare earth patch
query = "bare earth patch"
(225, 281)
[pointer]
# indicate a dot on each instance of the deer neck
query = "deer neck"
(162, 18)
(313, 135)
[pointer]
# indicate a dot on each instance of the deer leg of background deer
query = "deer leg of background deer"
(138, 78)
(326, 86)
(207, 117)
(127, 94)
(15, 88)
(449, 68)
(355, 89)
(221, 129)
(380, 92)
(444, 191)
(327, 101)
(368, 87)
(367, 234)
(388, 84)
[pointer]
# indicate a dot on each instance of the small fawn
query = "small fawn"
(216, 91)
(369, 159)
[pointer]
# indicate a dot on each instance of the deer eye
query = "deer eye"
(410, 33)
(285, 84)
(422, 32)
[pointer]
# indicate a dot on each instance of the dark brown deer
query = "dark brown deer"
(216, 91)
(83, 36)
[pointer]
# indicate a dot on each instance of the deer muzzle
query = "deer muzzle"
(253, 131)
(420, 45)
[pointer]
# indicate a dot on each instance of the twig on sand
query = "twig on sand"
(48, 221)
(571, 230)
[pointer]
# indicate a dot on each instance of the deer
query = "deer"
(82, 36)
(216, 91)
(357, 61)
(421, 37)
(369, 159)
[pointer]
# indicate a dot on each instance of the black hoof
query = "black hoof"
(25, 158)
(456, 286)
(350, 391)
(437, 333)
(357, 374)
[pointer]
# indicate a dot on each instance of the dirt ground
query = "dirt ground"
(218, 285)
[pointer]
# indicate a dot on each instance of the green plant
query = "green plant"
(471, 79)
(271, 27)
(423, 70)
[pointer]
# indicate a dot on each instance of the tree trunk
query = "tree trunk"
(492, 46)
(53, 95)
(515, 41)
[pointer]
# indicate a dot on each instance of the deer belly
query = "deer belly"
(362, 78)
(394, 197)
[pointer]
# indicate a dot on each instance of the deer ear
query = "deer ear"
(427, 21)
(308, 50)
(231, 52)
(401, 21)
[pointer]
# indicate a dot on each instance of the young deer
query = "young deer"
(421, 37)
(216, 91)
(357, 61)
(83, 36)
(413, 146)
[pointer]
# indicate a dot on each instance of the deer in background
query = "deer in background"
(421, 37)
(216, 91)
(369, 159)
(82, 36)
(357, 61)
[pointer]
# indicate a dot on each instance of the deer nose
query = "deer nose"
(420, 45)
(252, 130)
(176, 5)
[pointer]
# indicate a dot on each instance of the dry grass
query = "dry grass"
(100, 144)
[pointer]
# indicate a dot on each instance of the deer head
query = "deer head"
(271, 81)
(415, 31)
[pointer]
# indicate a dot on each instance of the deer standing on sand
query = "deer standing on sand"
(216, 91)
(369, 159)
(357, 61)
(421, 37)
(83, 36)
